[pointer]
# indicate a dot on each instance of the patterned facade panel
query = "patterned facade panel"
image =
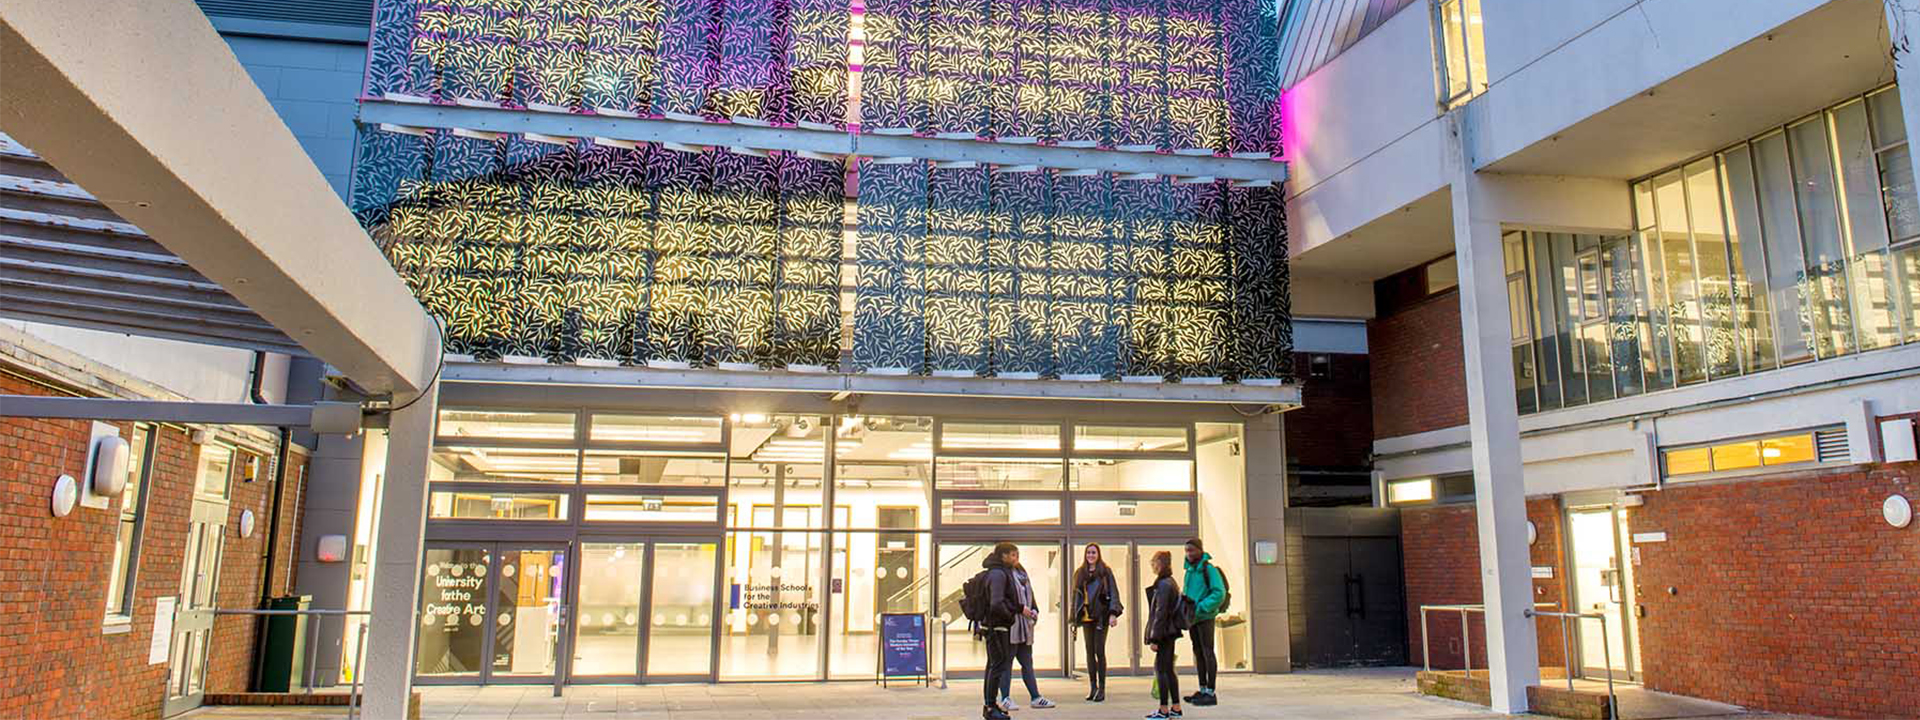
(890, 331)
(580, 251)
(1069, 275)
(816, 59)
(1019, 237)
(892, 97)
(956, 270)
(1250, 34)
(1084, 324)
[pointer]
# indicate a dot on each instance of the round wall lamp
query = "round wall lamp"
(110, 460)
(1533, 533)
(1897, 511)
(66, 494)
(246, 523)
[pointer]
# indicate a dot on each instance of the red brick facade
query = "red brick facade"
(1789, 593)
(54, 573)
(1333, 428)
(1418, 368)
(1441, 557)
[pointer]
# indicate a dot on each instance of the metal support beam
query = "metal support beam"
(830, 142)
(174, 138)
(86, 408)
(866, 384)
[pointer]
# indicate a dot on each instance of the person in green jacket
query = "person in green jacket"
(1207, 587)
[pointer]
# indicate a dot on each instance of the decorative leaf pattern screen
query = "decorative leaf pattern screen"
(580, 251)
(972, 272)
(719, 259)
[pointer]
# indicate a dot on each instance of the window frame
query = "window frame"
(122, 615)
(1763, 468)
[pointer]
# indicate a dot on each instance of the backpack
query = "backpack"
(1226, 595)
(974, 602)
(1183, 612)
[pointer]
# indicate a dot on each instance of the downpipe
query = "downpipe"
(280, 453)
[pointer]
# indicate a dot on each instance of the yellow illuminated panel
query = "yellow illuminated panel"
(1788, 449)
(1410, 491)
(1689, 461)
(1734, 456)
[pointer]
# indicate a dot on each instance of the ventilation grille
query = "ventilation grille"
(1830, 445)
(357, 13)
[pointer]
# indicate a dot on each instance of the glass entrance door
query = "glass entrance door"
(1046, 565)
(1121, 639)
(193, 611)
(491, 613)
(1603, 583)
(644, 604)
(1137, 609)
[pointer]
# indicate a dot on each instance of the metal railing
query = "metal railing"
(1566, 642)
(313, 646)
(944, 643)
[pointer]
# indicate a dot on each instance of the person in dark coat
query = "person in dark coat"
(1001, 614)
(1096, 609)
(1163, 629)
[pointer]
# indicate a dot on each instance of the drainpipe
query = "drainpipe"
(273, 520)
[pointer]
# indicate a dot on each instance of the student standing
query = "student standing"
(1021, 637)
(998, 625)
(1096, 608)
(1208, 590)
(1163, 628)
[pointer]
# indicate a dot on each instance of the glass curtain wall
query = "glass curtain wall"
(1798, 245)
(782, 539)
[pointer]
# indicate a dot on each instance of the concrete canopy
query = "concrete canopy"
(145, 107)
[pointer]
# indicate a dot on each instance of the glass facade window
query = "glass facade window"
(609, 467)
(999, 436)
(132, 513)
(1800, 244)
(1461, 65)
(802, 531)
(1134, 475)
(213, 476)
(480, 505)
(998, 474)
(1724, 458)
(651, 508)
(485, 464)
(1114, 438)
(654, 429)
(999, 511)
(510, 425)
(1132, 512)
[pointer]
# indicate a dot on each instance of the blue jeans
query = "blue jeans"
(1023, 653)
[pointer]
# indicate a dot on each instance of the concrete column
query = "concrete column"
(1494, 428)
(1266, 496)
(400, 529)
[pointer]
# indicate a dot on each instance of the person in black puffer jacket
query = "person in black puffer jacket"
(1163, 628)
(999, 622)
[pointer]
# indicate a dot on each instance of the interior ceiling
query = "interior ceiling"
(1836, 50)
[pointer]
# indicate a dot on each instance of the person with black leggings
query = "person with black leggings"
(1207, 588)
(1163, 628)
(1096, 609)
(998, 625)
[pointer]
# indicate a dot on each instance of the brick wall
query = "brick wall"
(1418, 368)
(54, 574)
(1333, 428)
(1441, 554)
(1790, 593)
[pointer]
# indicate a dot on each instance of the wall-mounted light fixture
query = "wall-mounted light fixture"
(66, 494)
(246, 523)
(1897, 511)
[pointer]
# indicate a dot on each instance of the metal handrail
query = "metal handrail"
(1566, 641)
(359, 652)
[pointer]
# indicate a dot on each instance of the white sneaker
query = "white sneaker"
(1006, 703)
(1042, 703)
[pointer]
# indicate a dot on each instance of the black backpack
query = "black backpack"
(974, 601)
(1226, 595)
